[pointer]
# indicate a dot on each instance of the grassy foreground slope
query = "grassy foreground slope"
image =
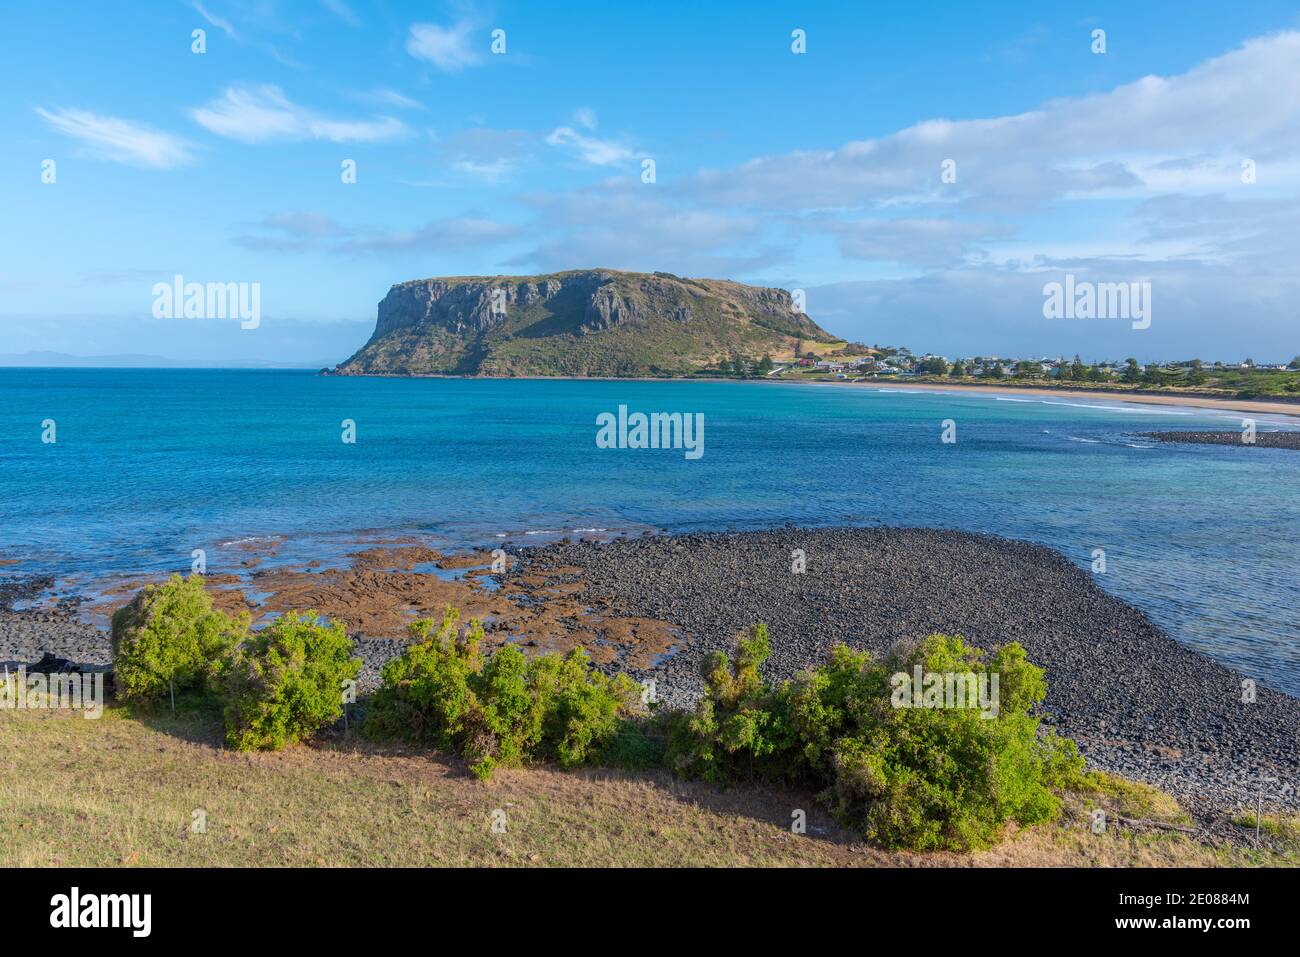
(123, 791)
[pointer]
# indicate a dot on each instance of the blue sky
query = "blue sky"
(818, 171)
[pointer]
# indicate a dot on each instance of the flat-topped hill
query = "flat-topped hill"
(588, 322)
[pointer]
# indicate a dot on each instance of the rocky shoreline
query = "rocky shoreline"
(1138, 703)
(1263, 440)
(25, 636)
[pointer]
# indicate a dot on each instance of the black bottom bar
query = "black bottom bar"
(362, 906)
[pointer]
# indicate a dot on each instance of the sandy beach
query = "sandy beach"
(1291, 409)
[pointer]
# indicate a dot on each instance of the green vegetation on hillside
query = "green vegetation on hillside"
(287, 682)
(925, 777)
(922, 777)
(170, 639)
(1193, 377)
(278, 686)
(579, 323)
(906, 773)
(497, 710)
(918, 777)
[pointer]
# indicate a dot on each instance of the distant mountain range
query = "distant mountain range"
(134, 361)
(586, 322)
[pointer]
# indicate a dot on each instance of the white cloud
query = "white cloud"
(590, 227)
(386, 97)
(341, 10)
(1141, 181)
(999, 312)
(223, 25)
(589, 149)
(458, 232)
(107, 137)
(448, 48)
(921, 241)
(303, 225)
(308, 232)
(487, 154)
(493, 155)
(256, 18)
(1116, 143)
(259, 114)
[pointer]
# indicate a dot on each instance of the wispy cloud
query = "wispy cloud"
(589, 149)
(111, 138)
(264, 113)
(493, 155)
(385, 97)
(341, 10)
(1131, 151)
(225, 26)
(487, 154)
(302, 226)
(1134, 140)
(256, 19)
(313, 232)
(922, 241)
(589, 226)
(451, 233)
(449, 48)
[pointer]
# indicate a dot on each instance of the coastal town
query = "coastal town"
(855, 362)
(902, 363)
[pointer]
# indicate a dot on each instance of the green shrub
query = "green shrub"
(946, 777)
(916, 777)
(580, 708)
(502, 709)
(287, 682)
(738, 728)
(639, 743)
(925, 777)
(171, 638)
(424, 694)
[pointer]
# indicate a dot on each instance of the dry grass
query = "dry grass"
(1285, 828)
(123, 791)
(810, 347)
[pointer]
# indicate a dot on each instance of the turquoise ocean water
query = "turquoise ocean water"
(150, 464)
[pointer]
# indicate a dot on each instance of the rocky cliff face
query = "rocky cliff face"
(584, 322)
(466, 305)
